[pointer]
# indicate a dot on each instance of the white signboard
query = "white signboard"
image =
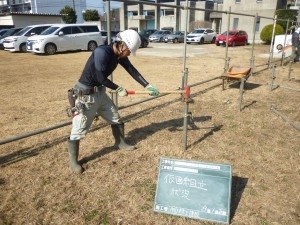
(282, 44)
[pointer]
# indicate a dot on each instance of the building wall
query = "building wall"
(266, 8)
(43, 7)
(167, 20)
(263, 8)
(25, 20)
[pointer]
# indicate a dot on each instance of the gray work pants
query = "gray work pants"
(97, 103)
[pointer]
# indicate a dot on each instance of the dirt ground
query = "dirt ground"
(118, 187)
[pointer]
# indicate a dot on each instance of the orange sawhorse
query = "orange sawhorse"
(237, 74)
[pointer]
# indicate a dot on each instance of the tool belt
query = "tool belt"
(81, 89)
(82, 92)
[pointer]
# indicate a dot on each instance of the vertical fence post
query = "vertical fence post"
(253, 42)
(290, 70)
(273, 76)
(272, 42)
(284, 43)
(184, 82)
(226, 66)
(241, 94)
(185, 116)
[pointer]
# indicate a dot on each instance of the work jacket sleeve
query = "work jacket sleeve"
(126, 64)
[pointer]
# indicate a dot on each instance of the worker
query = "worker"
(88, 97)
(296, 45)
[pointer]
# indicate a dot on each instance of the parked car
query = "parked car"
(65, 37)
(176, 36)
(113, 35)
(8, 33)
(201, 35)
(17, 43)
(235, 37)
(147, 32)
(158, 36)
(144, 40)
(2, 31)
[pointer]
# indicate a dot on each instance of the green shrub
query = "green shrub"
(266, 32)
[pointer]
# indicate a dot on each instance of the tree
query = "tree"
(267, 31)
(69, 15)
(284, 15)
(91, 15)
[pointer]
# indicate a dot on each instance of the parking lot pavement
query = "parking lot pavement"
(175, 50)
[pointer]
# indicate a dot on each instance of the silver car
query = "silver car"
(175, 37)
(158, 36)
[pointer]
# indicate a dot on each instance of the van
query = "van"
(8, 33)
(17, 43)
(65, 37)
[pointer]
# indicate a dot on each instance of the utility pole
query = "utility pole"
(298, 18)
(74, 5)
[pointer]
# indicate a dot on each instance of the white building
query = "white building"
(242, 15)
(42, 6)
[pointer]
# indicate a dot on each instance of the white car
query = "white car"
(201, 36)
(18, 43)
(65, 37)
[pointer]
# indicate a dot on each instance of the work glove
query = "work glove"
(121, 91)
(153, 90)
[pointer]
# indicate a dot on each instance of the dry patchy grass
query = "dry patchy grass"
(118, 187)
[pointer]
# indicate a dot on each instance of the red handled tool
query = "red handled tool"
(186, 92)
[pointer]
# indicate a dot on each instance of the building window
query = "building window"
(169, 12)
(235, 23)
(237, 1)
(259, 1)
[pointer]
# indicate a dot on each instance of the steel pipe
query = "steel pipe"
(273, 109)
(34, 133)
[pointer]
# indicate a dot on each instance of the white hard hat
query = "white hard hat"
(132, 40)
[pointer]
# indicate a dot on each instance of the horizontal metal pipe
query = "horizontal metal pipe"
(142, 101)
(190, 8)
(148, 92)
(205, 81)
(260, 70)
(290, 88)
(34, 133)
(265, 64)
(70, 122)
(273, 109)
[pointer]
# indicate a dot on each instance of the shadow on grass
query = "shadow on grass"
(25, 153)
(208, 134)
(98, 154)
(237, 188)
(138, 134)
(247, 85)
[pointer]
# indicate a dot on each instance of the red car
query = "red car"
(235, 37)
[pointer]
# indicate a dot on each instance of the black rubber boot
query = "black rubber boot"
(73, 149)
(118, 133)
